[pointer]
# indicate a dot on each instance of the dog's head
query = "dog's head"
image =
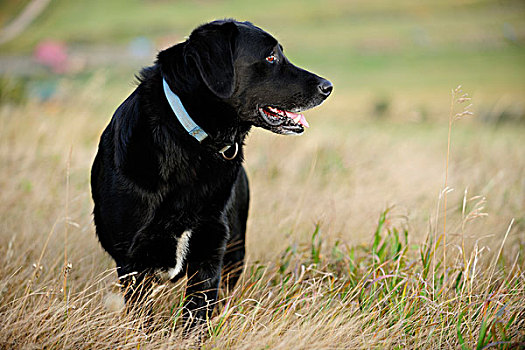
(245, 67)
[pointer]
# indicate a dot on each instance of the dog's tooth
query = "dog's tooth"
(291, 115)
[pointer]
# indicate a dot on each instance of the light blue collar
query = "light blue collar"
(180, 112)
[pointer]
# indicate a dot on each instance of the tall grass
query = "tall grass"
(393, 284)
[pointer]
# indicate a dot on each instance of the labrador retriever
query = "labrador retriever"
(169, 189)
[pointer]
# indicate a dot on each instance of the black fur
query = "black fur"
(151, 180)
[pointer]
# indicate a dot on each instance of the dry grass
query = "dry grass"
(323, 272)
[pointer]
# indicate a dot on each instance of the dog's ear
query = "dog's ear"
(211, 46)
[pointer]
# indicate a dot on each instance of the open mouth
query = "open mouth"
(288, 121)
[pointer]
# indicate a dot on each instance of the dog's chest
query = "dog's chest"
(180, 258)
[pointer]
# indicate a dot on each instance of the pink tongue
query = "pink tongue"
(298, 118)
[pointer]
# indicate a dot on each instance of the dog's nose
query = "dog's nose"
(325, 87)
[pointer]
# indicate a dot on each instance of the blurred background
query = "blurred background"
(379, 141)
(387, 60)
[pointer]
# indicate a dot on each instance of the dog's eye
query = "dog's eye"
(271, 58)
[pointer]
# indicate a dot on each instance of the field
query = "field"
(391, 223)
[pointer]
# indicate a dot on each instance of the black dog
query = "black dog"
(168, 184)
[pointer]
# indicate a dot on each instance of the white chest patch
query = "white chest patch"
(183, 244)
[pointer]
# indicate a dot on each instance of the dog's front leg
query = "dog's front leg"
(207, 248)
